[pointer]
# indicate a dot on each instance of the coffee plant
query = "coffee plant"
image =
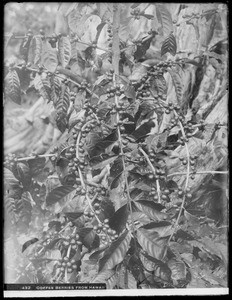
(115, 164)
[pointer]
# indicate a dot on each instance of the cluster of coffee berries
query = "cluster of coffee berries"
(159, 174)
(10, 161)
(84, 85)
(192, 162)
(70, 152)
(68, 264)
(106, 234)
(185, 192)
(40, 70)
(189, 129)
(101, 190)
(112, 91)
(110, 36)
(110, 44)
(121, 126)
(182, 140)
(73, 241)
(74, 166)
(29, 33)
(136, 13)
(53, 40)
(169, 108)
(77, 128)
(50, 236)
(109, 74)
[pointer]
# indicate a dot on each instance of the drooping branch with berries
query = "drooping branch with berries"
(123, 178)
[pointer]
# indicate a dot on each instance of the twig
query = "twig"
(34, 156)
(186, 182)
(115, 60)
(153, 170)
(90, 45)
(200, 172)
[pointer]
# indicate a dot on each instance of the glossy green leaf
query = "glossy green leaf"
(151, 243)
(116, 252)
(151, 209)
(58, 194)
(28, 243)
(119, 219)
(49, 58)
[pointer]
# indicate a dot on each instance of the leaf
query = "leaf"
(116, 168)
(131, 281)
(103, 276)
(150, 242)
(129, 91)
(49, 58)
(12, 86)
(151, 204)
(23, 173)
(177, 82)
(159, 268)
(104, 163)
(116, 252)
(169, 45)
(134, 5)
(95, 256)
(58, 194)
(61, 24)
(163, 228)
(43, 86)
(159, 84)
(138, 72)
(64, 50)
(151, 209)
(181, 234)
(141, 50)
(9, 179)
(62, 106)
(104, 11)
(28, 243)
(177, 268)
(36, 165)
(35, 50)
(24, 47)
(208, 245)
(72, 216)
(171, 185)
(165, 18)
(99, 29)
(89, 238)
(119, 219)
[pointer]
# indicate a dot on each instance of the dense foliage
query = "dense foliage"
(115, 164)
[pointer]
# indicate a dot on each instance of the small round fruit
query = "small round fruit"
(188, 195)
